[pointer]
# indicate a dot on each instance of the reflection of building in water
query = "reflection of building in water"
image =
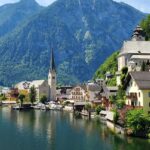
(45, 123)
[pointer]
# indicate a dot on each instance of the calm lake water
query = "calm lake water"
(39, 130)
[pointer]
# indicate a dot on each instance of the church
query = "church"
(134, 53)
(43, 87)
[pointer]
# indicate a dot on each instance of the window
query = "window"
(139, 94)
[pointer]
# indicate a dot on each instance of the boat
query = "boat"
(16, 107)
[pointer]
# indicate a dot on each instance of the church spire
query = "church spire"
(52, 63)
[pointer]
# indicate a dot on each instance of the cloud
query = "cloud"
(143, 5)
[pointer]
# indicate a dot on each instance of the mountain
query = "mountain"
(13, 15)
(83, 34)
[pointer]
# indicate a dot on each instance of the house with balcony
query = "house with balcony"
(137, 86)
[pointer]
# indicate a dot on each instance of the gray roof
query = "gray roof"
(142, 79)
(135, 47)
(140, 57)
(93, 87)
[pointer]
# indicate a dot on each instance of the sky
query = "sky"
(143, 5)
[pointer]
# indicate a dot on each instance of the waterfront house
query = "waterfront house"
(79, 93)
(63, 93)
(137, 86)
(93, 91)
(12, 95)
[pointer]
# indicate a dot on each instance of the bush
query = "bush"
(88, 107)
(124, 70)
(138, 122)
(116, 116)
(43, 99)
(98, 109)
(120, 104)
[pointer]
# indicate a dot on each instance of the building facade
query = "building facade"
(138, 90)
(79, 93)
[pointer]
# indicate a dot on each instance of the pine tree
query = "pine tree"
(32, 94)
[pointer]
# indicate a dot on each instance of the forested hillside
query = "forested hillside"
(82, 33)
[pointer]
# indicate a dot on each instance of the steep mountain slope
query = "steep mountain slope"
(82, 32)
(12, 15)
(109, 65)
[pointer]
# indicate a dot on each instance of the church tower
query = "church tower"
(52, 79)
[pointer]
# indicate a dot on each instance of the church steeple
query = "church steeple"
(52, 78)
(52, 63)
(138, 34)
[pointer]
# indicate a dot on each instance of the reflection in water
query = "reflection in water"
(36, 130)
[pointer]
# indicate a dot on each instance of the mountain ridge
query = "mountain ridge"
(82, 33)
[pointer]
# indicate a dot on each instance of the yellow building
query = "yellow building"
(138, 90)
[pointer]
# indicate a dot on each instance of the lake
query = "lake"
(51, 130)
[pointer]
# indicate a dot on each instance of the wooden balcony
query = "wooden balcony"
(132, 96)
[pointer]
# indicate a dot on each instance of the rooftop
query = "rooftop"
(142, 79)
(136, 47)
(140, 57)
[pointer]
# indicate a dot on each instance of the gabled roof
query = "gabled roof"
(37, 83)
(142, 79)
(93, 87)
(82, 86)
(141, 57)
(135, 47)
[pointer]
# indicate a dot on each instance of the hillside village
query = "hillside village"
(131, 93)
(134, 55)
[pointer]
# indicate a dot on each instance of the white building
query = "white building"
(87, 92)
(93, 91)
(133, 53)
(78, 93)
(43, 87)
(138, 90)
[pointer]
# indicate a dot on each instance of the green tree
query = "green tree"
(116, 116)
(109, 64)
(112, 99)
(137, 121)
(120, 93)
(21, 98)
(98, 109)
(32, 94)
(88, 107)
(145, 24)
(120, 104)
(43, 99)
(2, 97)
(124, 72)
